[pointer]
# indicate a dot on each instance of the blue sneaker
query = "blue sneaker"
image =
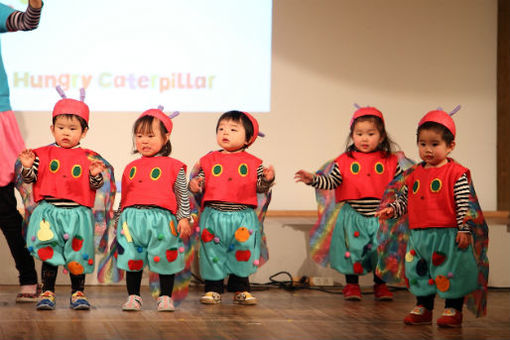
(46, 301)
(79, 301)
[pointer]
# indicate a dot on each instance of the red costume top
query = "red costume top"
(150, 181)
(431, 202)
(64, 173)
(364, 175)
(230, 177)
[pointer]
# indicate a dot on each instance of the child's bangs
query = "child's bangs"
(144, 125)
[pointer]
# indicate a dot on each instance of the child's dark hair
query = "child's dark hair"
(144, 125)
(238, 116)
(83, 122)
(387, 146)
(446, 134)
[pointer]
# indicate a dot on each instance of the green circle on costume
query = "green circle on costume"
(416, 186)
(217, 169)
(379, 168)
(355, 168)
(54, 165)
(76, 171)
(132, 172)
(243, 169)
(155, 173)
(436, 185)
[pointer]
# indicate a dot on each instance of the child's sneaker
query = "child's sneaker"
(352, 291)
(165, 304)
(210, 298)
(46, 301)
(381, 292)
(133, 303)
(79, 301)
(25, 296)
(419, 316)
(245, 298)
(450, 318)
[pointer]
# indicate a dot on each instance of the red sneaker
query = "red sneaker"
(352, 291)
(381, 292)
(419, 316)
(450, 318)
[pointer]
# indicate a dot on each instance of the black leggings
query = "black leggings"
(235, 284)
(49, 276)
(354, 279)
(10, 223)
(428, 302)
(134, 280)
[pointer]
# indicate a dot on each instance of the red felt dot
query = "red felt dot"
(358, 268)
(91, 262)
(431, 282)
(413, 252)
(356, 234)
(156, 259)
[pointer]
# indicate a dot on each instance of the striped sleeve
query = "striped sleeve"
(182, 196)
(400, 204)
(398, 170)
(29, 175)
(262, 184)
(96, 182)
(24, 21)
(328, 182)
(461, 195)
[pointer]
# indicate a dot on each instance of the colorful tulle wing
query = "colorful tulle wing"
(392, 237)
(328, 210)
(476, 301)
(107, 270)
(393, 234)
(103, 205)
(263, 200)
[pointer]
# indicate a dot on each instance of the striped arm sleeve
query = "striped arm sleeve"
(29, 175)
(328, 182)
(96, 181)
(400, 204)
(461, 195)
(24, 21)
(182, 196)
(262, 184)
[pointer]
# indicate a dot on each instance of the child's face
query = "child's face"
(365, 136)
(231, 135)
(67, 131)
(150, 143)
(432, 148)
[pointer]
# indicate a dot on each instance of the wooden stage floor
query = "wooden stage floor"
(280, 314)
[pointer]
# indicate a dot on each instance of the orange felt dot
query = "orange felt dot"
(75, 268)
(242, 234)
(442, 283)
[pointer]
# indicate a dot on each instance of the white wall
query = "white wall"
(404, 57)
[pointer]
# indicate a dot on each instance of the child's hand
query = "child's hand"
(303, 176)
(27, 158)
(96, 167)
(196, 183)
(268, 173)
(463, 240)
(385, 213)
(184, 228)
